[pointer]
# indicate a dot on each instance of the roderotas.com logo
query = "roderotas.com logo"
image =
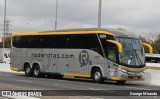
(83, 58)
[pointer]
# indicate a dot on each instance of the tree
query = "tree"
(7, 43)
(144, 40)
(157, 44)
(154, 40)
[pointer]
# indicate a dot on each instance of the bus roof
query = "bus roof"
(109, 31)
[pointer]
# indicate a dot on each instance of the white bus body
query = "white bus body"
(93, 53)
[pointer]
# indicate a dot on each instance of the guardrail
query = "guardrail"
(152, 77)
(152, 74)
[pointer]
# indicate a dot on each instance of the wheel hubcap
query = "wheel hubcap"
(97, 75)
(27, 70)
(36, 72)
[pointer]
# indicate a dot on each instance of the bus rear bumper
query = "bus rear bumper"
(14, 69)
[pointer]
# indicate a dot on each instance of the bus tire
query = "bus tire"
(36, 71)
(58, 76)
(49, 76)
(97, 76)
(28, 70)
(121, 82)
(158, 61)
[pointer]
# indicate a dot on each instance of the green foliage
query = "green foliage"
(155, 44)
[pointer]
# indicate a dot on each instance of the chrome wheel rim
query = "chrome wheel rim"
(97, 76)
(36, 72)
(28, 70)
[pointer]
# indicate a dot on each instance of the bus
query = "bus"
(152, 61)
(96, 53)
(152, 58)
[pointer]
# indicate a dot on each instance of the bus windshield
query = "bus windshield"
(133, 53)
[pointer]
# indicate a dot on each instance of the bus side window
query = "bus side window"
(90, 41)
(72, 41)
(59, 41)
(46, 41)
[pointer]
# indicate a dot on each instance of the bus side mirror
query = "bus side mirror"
(149, 46)
(119, 45)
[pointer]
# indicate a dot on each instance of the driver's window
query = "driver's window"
(111, 54)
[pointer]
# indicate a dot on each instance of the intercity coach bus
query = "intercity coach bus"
(100, 54)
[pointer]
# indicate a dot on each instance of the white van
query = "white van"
(5, 55)
(6, 58)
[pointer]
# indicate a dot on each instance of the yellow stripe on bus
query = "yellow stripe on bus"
(122, 79)
(149, 46)
(77, 75)
(144, 68)
(61, 33)
(14, 69)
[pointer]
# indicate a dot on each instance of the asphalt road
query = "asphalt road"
(71, 87)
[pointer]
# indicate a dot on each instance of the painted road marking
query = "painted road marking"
(95, 89)
(19, 80)
(92, 97)
(55, 84)
(138, 88)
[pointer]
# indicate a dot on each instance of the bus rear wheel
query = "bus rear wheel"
(97, 76)
(58, 76)
(36, 71)
(28, 70)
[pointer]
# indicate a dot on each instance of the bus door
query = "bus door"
(113, 49)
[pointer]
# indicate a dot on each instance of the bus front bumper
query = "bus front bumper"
(129, 75)
(125, 79)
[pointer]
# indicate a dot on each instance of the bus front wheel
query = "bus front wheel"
(97, 76)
